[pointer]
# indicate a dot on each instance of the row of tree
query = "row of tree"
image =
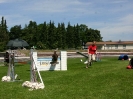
(49, 36)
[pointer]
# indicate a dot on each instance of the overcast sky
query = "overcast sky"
(113, 18)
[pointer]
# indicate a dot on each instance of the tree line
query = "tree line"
(49, 36)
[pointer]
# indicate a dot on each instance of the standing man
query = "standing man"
(92, 49)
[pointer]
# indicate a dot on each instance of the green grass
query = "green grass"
(107, 79)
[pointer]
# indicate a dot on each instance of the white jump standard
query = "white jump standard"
(34, 73)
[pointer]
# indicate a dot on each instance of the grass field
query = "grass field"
(107, 79)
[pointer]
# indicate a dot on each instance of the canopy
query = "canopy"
(17, 43)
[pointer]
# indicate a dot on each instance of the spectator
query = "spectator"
(54, 57)
(6, 58)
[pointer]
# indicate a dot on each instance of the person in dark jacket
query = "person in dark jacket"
(54, 57)
(6, 58)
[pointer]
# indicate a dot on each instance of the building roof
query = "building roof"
(111, 43)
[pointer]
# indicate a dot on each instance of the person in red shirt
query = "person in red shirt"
(92, 50)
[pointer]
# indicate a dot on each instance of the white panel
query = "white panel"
(63, 60)
(45, 64)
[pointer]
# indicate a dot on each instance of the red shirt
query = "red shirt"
(92, 49)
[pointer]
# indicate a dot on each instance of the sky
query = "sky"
(113, 18)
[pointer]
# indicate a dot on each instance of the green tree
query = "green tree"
(77, 39)
(15, 32)
(43, 36)
(45, 33)
(32, 34)
(63, 36)
(70, 36)
(4, 36)
(93, 35)
(82, 29)
(59, 36)
(51, 36)
(47, 36)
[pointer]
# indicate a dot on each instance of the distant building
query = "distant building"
(113, 45)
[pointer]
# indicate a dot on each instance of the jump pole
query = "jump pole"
(34, 67)
(11, 66)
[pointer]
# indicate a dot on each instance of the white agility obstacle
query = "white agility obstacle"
(37, 65)
(34, 68)
(11, 68)
(42, 64)
(45, 63)
(34, 83)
